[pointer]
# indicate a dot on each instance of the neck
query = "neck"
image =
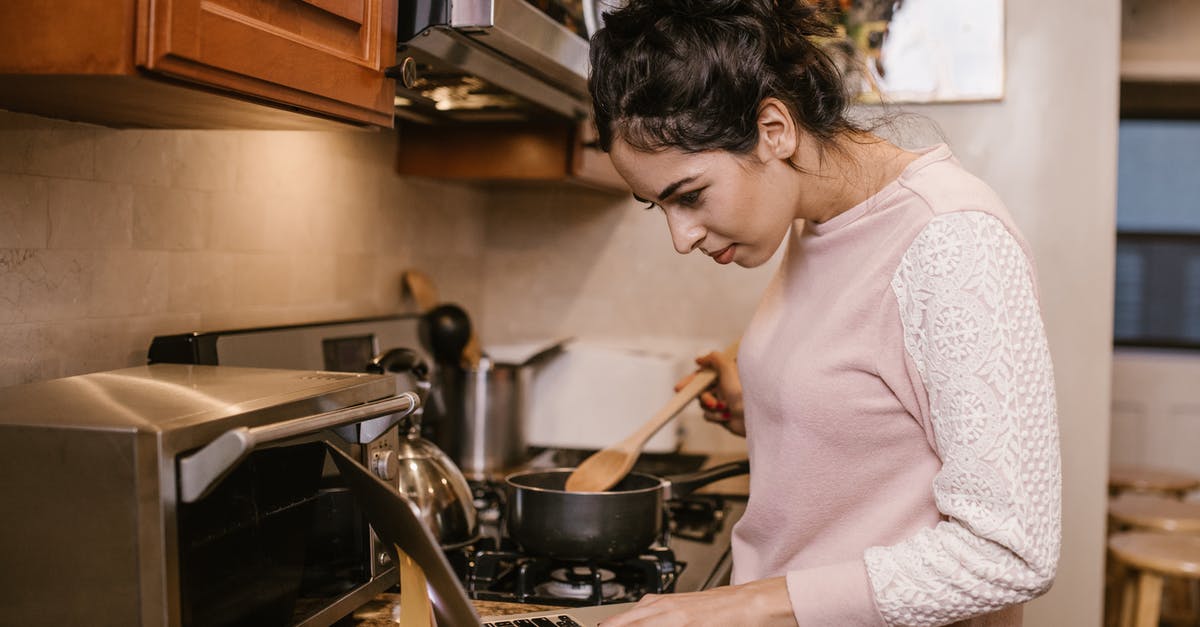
(847, 174)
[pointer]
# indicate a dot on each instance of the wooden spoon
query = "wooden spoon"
(419, 287)
(416, 609)
(606, 468)
(472, 352)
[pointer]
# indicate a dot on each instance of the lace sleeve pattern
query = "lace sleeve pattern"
(973, 329)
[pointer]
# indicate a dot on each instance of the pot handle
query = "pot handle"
(685, 484)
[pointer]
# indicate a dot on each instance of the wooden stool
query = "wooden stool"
(1152, 556)
(1145, 479)
(1150, 512)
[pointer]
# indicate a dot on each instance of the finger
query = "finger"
(631, 616)
(716, 360)
(679, 385)
(718, 415)
(708, 400)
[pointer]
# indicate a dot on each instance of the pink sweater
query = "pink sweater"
(900, 413)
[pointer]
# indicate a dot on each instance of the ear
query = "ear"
(776, 131)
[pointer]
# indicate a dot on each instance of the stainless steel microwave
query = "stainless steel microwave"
(492, 60)
(187, 495)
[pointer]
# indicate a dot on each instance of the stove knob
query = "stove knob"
(383, 464)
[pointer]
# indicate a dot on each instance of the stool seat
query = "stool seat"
(1148, 479)
(1156, 513)
(1172, 555)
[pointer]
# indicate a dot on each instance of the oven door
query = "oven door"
(276, 542)
(268, 532)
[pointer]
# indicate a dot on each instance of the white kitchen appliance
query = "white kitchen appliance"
(595, 393)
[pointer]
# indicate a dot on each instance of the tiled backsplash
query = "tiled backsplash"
(109, 237)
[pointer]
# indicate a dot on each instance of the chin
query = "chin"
(752, 262)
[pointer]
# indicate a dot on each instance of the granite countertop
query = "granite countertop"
(383, 610)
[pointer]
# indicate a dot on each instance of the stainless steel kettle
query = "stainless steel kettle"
(423, 473)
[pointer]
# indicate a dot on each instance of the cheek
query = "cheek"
(760, 214)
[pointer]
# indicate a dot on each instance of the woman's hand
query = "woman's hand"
(722, 403)
(761, 603)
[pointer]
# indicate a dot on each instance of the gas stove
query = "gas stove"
(508, 574)
(691, 555)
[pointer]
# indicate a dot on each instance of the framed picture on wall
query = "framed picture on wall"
(922, 50)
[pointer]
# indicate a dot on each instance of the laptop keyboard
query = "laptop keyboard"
(541, 621)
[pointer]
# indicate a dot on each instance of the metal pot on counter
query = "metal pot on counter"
(495, 409)
(545, 519)
(481, 403)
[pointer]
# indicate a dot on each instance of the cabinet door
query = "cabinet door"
(325, 56)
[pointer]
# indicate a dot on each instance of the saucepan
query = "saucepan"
(545, 519)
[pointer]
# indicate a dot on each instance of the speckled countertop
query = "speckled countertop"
(382, 610)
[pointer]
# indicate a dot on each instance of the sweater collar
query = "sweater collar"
(929, 155)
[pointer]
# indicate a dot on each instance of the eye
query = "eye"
(690, 199)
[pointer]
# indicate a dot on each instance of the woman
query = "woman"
(894, 386)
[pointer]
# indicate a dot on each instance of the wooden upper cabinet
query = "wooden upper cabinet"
(200, 63)
(327, 56)
(552, 150)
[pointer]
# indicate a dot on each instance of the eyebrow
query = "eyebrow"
(668, 190)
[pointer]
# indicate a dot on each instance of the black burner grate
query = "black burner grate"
(508, 575)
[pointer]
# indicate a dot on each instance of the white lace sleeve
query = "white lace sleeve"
(972, 326)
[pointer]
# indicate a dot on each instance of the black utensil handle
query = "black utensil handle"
(685, 484)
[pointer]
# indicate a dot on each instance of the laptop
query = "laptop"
(396, 521)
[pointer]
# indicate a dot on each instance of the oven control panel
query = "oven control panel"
(379, 456)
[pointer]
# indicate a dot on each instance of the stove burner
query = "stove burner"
(580, 582)
(500, 572)
(582, 575)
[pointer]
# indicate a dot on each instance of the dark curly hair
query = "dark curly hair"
(690, 74)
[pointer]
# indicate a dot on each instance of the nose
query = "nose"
(686, 232)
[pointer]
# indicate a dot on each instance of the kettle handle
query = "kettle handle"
(400, 360)
(406, 360)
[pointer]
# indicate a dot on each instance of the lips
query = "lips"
(725, 255)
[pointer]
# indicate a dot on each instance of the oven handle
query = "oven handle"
(199, 471)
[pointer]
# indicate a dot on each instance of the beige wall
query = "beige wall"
(108, 237)
(594, 265)
(1156, 419)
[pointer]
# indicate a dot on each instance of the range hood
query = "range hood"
(489, 60)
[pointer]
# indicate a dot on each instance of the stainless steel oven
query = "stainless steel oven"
(188, 495)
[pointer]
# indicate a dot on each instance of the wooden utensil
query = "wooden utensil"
(416, 285)
(606, 468)
(419, 287)
(416, 610)
(472, 352)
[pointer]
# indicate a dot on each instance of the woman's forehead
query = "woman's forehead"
(653, 171)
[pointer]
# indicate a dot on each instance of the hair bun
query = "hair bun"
(692, 73)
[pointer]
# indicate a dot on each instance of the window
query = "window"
(1157, 295)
